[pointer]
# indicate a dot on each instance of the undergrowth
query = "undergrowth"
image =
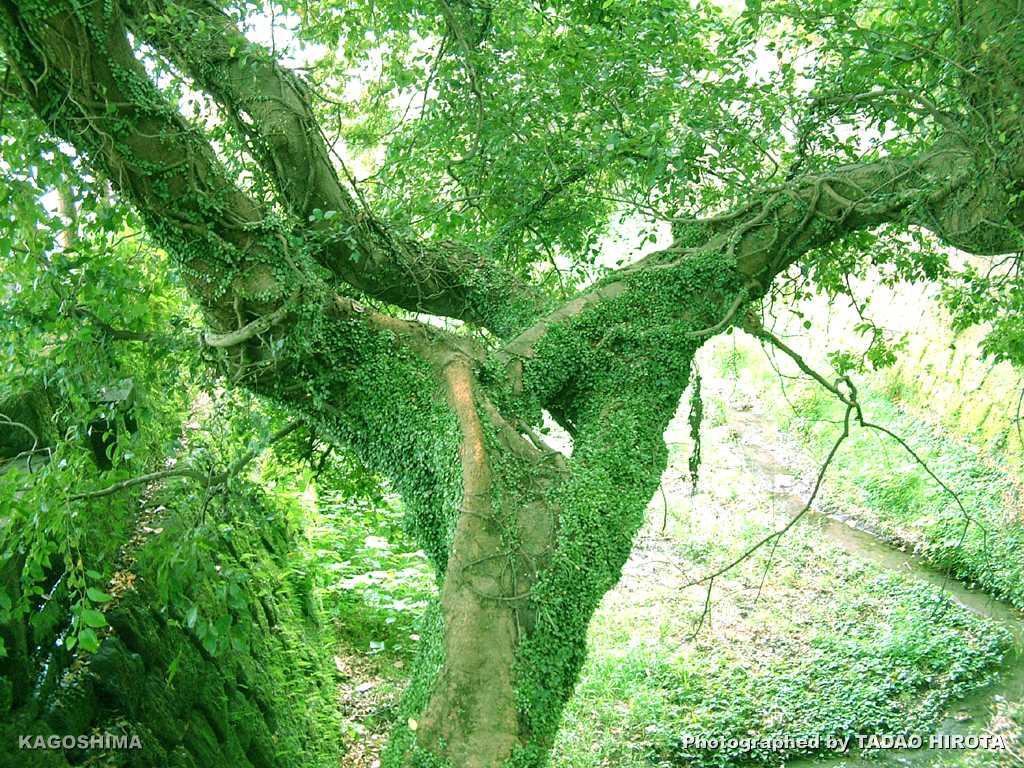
(869, 653)
(881, 485)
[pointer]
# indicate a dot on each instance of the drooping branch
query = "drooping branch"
(211, 480)
(775, 536)
(848, 397)
(844, 390)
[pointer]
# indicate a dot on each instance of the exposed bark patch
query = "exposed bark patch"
(471, 716)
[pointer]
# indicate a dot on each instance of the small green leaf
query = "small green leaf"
(210, 644)
(93, 618)
(88, 640)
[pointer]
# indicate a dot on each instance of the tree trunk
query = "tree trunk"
(538, 539)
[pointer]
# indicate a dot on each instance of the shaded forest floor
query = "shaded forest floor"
(803, 639)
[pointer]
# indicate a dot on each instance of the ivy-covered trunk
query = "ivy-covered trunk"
(525, 540)
(532, 548)
(532, 539)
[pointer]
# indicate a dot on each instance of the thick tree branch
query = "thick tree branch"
(81, 76)
(946, 190)
(272, 107)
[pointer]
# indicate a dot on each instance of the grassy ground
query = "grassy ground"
(831, 646)
(881, 486)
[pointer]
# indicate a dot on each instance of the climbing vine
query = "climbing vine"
(695, 418)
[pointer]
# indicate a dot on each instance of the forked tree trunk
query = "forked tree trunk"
(534, 547)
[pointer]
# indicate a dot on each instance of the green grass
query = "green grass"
(882, 485)
(868, 653)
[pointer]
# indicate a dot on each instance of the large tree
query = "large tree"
(793, 144)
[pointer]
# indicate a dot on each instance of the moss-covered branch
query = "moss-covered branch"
(272, 107)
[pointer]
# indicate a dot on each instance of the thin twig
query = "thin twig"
(795, 519)
(151, 477)
(208, 479)
(729, 315)
(664, 507)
